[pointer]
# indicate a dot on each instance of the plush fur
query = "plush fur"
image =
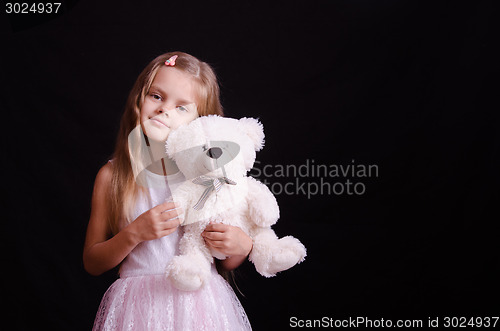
(247, 204)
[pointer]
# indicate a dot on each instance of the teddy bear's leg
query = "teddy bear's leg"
(189, 270)
(271, 255)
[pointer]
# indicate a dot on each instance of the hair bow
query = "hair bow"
(171, 61)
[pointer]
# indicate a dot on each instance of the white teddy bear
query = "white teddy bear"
(215, 153)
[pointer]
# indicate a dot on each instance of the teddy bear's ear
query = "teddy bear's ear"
(253, 129)
(170, 144)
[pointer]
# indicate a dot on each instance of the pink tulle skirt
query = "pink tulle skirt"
(150, 302)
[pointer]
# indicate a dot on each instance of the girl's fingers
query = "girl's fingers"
(166, 206)
(216, 227)
(215, 243)
(213, 235)
(168, 231)
(171, 223)
(170, 214)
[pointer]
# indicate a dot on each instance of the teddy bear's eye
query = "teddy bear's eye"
(204, 147)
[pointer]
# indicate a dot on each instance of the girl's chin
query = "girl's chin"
(157, 134)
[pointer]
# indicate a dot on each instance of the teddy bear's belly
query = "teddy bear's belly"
(227, 206)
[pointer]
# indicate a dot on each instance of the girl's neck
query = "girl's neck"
(164, 165)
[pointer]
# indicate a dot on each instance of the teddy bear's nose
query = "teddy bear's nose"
(214, 152)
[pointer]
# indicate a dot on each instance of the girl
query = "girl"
(132, 221)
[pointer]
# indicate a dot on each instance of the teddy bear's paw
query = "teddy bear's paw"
(287, 252)
(186, 273)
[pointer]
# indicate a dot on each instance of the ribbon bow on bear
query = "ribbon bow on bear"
(212, 184)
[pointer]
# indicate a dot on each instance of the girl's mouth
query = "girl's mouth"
(158, 122)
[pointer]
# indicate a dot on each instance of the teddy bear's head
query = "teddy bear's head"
(216, 146)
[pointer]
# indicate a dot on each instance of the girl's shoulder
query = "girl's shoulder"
(105, 174)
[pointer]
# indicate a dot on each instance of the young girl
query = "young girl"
(132, 221)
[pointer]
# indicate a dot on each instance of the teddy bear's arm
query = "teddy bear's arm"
(262, 206)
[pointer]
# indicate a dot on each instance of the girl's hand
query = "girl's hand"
(227, 239)
(155, 223)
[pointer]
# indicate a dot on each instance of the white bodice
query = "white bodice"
(152, 257)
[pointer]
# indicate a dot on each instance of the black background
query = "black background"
(406, 85)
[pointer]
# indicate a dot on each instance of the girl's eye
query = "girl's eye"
(156, 96)
(182, 108)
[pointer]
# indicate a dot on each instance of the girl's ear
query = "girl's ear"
(254, 130)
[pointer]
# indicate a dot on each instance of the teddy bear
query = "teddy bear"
(214, 154)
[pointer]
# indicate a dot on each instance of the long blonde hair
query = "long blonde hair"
(124, 190)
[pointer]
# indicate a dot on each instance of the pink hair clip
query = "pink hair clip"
(171, 61)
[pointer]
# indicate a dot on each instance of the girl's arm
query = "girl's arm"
(102, 251)
(229, 240)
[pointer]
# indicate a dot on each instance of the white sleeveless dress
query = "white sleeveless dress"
(144, 299)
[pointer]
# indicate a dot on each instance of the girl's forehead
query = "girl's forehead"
(174, 82)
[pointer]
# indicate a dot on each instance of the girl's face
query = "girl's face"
(169, 103)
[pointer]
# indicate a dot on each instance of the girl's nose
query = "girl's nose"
(165, 109)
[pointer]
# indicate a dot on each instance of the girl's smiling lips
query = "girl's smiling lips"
(156, 120)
